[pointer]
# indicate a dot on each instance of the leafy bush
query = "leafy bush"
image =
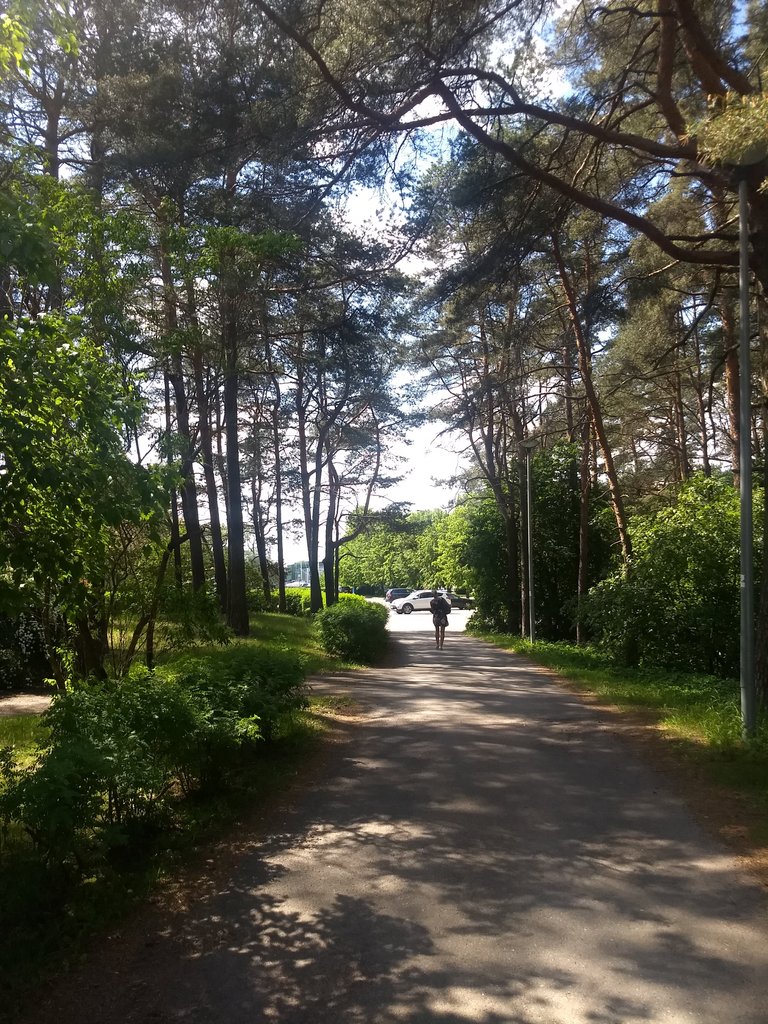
(119, 753)
(258, 684)
(189, 617)
(297, 601)
(112, 756)
(678, 603)
(355, 630)
(257, 600)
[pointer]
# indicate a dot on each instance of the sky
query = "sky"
(432, 457)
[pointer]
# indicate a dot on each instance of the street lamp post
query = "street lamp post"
(747, 669)
(751, 166)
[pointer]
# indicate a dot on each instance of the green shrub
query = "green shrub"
(354, 630)
(677, 605)
(256, 684)
(258, 602)
(113, 754)
(298, 601)
(189, 617)
(118, 754)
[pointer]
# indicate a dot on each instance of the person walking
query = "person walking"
(440, 607)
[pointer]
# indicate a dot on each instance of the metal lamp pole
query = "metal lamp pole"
(747, 669)
(753, 166)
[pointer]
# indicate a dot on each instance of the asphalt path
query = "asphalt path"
(483, 850)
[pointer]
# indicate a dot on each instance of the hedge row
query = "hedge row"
(297, 600)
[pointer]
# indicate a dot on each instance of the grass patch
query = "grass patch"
(292, 633)
(701, 714)
(24, 733)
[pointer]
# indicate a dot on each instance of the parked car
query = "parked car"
(395, 592)
(416, 601)
(457, 601)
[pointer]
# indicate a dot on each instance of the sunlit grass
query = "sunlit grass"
(23, 733)
(270, 630)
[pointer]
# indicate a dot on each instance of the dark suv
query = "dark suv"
(395, 592)
(457, 601)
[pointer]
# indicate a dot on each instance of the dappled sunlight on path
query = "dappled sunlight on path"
(484, 850)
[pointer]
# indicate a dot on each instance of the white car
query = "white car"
(416, 601)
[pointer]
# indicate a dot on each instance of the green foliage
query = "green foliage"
(474, 535)
(27, 228)
(13, 41)
(736, 130)
(23, 651)
(118, 754)
(400, 553)
(556, 539)
(256, 684)
(67, 481)
(189, 618)
(258, 602)
(354, 630)
(230, 253)
(298, 601)
(678, 602)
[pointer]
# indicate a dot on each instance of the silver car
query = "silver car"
(416, 601)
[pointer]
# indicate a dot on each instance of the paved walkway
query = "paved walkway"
(484, 850)
(23, 704)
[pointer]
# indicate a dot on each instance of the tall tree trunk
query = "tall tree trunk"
(175, 531)
(525, 514)
(683, 459)
(316, 592)
(237, 598)
(761, 630)
(310, 492)
(701, 408)
(567, 351)
(53, 107)
(732, 389)
(260, 533)
(176, 376)
(281, 602)
(211, 489)
(189, 507)
(514, 606)
(585, 370)
(329, 559)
